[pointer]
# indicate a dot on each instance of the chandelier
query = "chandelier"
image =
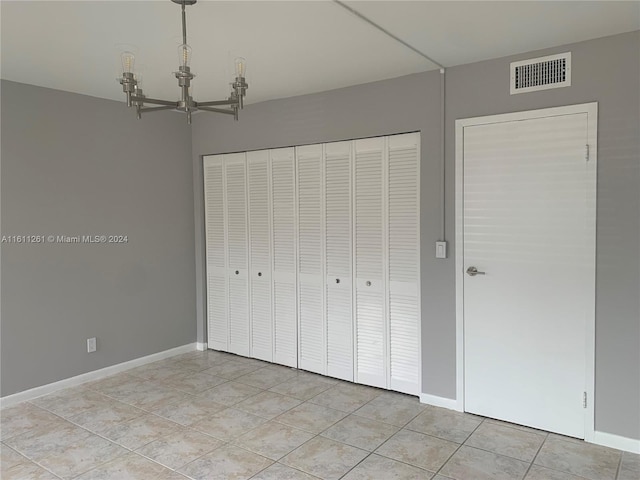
(186, 104)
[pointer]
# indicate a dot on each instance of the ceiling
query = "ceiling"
(291, 47)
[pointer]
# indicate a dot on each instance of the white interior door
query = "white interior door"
(528, 226)
(338, 260)
(369, 230)
(216, 252)
(404, 263)
(235, 171)
(283, 211)
(312, 331)
(260, 254)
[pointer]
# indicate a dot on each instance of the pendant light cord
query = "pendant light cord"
(442, 104)
(184, 24)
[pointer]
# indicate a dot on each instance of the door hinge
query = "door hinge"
(584, 399)
(586, 152)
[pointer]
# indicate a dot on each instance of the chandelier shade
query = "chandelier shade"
(130, 82)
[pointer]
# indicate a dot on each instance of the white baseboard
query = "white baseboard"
(450, 403)
(616, 441)
(91, 376)
(599, 438)
(201, 346)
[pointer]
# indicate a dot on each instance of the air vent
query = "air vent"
(541, 73)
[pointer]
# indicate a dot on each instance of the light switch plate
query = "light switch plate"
(441, 249)
(91, 345)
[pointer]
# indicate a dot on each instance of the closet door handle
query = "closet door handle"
(259, 274)
(337, 280)
(368, 284)
(237, 272)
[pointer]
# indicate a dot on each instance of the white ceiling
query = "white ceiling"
(291, 47)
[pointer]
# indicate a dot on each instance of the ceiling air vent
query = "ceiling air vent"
(541, 73)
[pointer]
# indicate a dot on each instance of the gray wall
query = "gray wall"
(74, 165)
(604, 70)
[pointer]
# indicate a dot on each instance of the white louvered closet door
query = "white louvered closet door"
(283, 188)
(369, 229)
(338, 260)
(404, 262)
(312, 331)
(237, 267)
(217, 325)
(260, 254)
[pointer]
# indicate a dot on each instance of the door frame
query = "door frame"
(591, 109)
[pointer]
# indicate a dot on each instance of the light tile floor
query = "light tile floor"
(211, 415)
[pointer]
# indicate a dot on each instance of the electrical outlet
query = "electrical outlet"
(91, 344)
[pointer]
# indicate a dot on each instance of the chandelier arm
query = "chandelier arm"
(216, 110)
(154, 101)
(155, 109)
(216, 102)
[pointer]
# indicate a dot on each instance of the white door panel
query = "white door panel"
(217, 324)
(371, 339)
(285, 318)
(261, 320)
(528, 216)
(338, 260)
(403, 263)
(283, 214)
(339, 329)
(260, 254)
(238, 316)
(369, 229)
(237, 251)
(311, 333)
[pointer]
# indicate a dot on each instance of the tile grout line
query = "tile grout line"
(117, 443)
(91, 432)
(160, 382)
(535, 456)
(231, 441)
(504, 454)
(374, 451)
(459, 447)
(619, 467)
(189, 371)
(319, 433)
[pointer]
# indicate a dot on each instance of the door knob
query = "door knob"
(368, 283)
(473, 271)
(337, 280)
(259, 274)
(237, 272)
